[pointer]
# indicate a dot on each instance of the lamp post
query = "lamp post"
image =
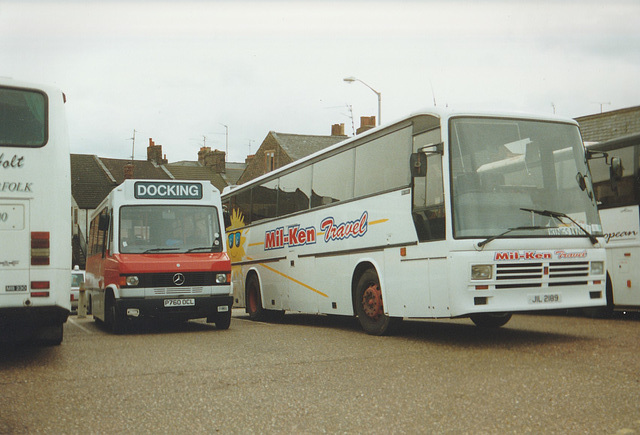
(226, 134)
(354, 79)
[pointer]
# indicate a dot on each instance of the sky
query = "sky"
(180, 71)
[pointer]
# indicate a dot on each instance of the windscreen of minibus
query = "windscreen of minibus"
(501, 166)
(169, 229)
(23, 117)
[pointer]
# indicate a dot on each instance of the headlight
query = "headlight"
(132, 280)
(221, 278)
(481, 271)
(597, 268)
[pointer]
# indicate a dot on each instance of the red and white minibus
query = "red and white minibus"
(156, 249)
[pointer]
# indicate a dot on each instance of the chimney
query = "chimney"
(128, 170)
(213, 159)
(366, 123)
(337, 130)
(202, 154)
(154, 153)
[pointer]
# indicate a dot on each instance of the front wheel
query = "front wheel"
(254, 299)
(369, 307)
(114, 321)
(491, 320)
(223, 319)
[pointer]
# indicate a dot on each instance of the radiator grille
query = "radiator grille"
(534, 275)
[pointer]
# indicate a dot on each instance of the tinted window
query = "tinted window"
(333, 179)
(23, 118)
(294, 191)
(265, 201)
(383, 164)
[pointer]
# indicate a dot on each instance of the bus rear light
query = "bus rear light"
(40, 285)
(40, 294)
(40, 248)
(482, 287)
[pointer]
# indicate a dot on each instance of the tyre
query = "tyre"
(113, 319)
(50, 335)
(254, 299)
(369, 307)
(490, 320)
(223, 319)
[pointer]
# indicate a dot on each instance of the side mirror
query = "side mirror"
(615, 171)
(418, 165)
(227, 218)
(581, 181)
(103, 222)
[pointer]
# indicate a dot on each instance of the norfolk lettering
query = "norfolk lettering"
(8, 186)
(157, 190)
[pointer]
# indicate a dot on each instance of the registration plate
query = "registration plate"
(190, 302)
(16, 288)
(545, 298)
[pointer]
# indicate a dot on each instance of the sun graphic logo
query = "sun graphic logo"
(235, 242)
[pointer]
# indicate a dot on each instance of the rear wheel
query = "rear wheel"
(369, 307)
(254, 299)
(491, 320)
(50, 335)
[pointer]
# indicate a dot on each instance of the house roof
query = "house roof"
(93, 177)
(608, 125)
(233, 172)
(298, 146)
(196, 172)
(142, 169)
(90, 184)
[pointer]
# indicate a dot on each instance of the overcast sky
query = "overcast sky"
(177, 71)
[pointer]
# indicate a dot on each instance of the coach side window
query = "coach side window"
(333, 179)
(381, 164)
(294, 191)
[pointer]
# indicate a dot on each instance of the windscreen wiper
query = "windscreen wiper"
(497, 236)
(558, 216)
(210, 248)
(159, 249)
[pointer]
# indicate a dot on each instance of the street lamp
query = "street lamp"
(354, 79)
(226, 129)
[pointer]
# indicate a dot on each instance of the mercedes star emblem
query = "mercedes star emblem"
(178, 279)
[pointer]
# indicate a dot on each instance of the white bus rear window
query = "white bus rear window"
(22, 118)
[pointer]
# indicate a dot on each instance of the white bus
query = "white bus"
(618, 201)
(156, 249)
(437, 215)
(35, 207)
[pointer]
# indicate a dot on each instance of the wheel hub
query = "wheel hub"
(372, 301)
